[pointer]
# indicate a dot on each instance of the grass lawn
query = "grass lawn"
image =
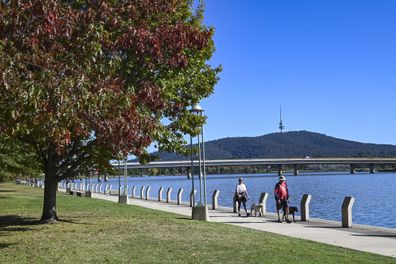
(96, 231)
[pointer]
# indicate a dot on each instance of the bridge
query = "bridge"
(353, 163)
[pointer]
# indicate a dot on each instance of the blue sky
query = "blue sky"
(330, 63)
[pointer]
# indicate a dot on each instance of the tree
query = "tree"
(85, 81)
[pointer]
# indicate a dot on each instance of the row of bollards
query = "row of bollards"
(346, 208)
(82, 187)
(145, 195)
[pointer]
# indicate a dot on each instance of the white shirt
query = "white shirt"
(240, 188)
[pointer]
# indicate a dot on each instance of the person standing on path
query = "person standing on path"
(281, 193)
(241, 195)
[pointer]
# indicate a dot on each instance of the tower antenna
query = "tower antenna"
(281, 126)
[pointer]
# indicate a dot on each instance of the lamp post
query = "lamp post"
(125, 177)
(192, 173)
(119, 181)
(200, 211)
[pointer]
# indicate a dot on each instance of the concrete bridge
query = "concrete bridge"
(353, 163)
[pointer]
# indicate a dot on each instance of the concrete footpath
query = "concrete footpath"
(360, 237)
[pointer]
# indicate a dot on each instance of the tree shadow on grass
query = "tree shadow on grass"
(183, 218)
(5, 245)
(16, 220)
(11, 222)
(3, 191)
(63, 220)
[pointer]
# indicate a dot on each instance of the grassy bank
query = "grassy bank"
(95, 231)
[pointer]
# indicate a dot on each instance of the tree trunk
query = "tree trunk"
(49, 208)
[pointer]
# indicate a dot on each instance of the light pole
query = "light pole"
(119, 180)
(200, 211)
(125, 177)
(192, 173)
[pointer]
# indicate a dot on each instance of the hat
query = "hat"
(240, 179)
(282, 178)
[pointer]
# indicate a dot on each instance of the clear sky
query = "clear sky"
(330, 63)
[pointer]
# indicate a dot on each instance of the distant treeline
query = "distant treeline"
(249, 170)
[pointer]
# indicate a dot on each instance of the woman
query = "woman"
(241, 195)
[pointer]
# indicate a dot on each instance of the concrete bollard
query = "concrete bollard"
(101, 188)
(215, 195)
(133, 192)
(160, 190)
(179, 196)
(168, 195)
(93, 187)
(234, 203)
(97, 188)
(192, 197)
(263, 200)
(110, 189)
(346, 211)
(142, 192)
(148, 193)
(106, 190)
(304, 207)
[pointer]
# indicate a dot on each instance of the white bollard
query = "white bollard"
(234, 203)
(192, 197)
(179, 196)
(168, 195)
(160, 190)
(148, 193)
(133, 191)
(214, 199)
(263, 201)
(142, 192)
(346, 211)
(304, 206)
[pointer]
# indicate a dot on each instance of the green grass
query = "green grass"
(95, 231)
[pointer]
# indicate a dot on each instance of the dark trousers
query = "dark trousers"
(241, 201)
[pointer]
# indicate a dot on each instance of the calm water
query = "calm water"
(374, 193)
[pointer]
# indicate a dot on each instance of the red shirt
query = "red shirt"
(281, 191)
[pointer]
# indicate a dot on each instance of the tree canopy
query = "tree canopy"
(84, 81)
(17, 159)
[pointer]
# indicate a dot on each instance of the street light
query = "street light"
(199, 211)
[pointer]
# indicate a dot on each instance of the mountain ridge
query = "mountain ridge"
(293, 144)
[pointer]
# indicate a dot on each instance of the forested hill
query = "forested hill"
(296, 144)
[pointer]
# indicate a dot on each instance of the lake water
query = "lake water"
(374, 193)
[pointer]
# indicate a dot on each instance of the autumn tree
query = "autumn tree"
(83, 81)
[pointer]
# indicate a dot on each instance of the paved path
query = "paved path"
(364, 238)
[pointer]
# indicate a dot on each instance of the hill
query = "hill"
(293, 144)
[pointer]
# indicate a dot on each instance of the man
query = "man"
(282, 197)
